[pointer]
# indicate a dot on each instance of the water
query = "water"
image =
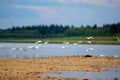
(57, 50)
(109, 74)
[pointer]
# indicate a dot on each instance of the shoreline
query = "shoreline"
(80, 40)
(29, 68)
(101, 43)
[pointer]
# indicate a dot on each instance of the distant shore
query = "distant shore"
(30, 68)
(98, 40)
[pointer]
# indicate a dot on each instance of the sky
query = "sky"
(65, 12)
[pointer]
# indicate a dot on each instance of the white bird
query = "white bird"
(63, 46)
(66, 43)
(34, 46)
(118, 39)
(37, 42)
(1, 45)
(89, 42)
(46, 42)
(91, 37)
(102, 55)
(19, 49)
(75, 43)
(89, 49)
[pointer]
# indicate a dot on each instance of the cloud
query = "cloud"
(72, 15)
(67, 15)
(95, 2)
(43, 11)
(50, 11)
(31, 7)
(91, 2)
(81, 1)
(53, 13)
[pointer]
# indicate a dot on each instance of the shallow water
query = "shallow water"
(57, 50)
(108, 74)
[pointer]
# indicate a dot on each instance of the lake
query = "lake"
(10, 50)
(108, 74)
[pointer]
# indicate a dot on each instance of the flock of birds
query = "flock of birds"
(36, 46)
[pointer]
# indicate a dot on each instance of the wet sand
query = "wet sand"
(30, 69)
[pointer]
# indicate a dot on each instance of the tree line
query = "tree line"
(54, 31)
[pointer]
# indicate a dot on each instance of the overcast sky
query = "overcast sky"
(65, 12)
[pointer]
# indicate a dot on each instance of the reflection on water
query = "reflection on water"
(107, 74)
(56, 50)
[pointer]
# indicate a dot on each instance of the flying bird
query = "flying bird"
(1, 46)
(46, 42)
(89, 42)
(35, 45)
(118, 39)
(75, 43)
(64, 44)
(19, 49)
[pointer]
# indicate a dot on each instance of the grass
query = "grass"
(97, 40)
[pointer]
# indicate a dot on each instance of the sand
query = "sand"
(32, 68)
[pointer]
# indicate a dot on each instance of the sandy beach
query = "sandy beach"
(31, 68)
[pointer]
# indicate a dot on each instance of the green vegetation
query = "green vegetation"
(98, 40)
(107, 33)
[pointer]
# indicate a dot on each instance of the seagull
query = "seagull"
(19, 49)
(91, 37)
(46, 42)
(75, 43)
(37, 42)
(1, 45)
(63, 46)
(118, 39)
(34, 46)
(64, 43)
(89, 42)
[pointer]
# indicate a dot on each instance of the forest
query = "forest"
(58, 31)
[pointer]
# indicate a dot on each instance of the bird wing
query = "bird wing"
(12, 49)
(37, 43)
